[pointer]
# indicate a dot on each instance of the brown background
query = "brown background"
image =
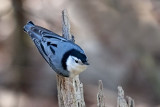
(120, 37)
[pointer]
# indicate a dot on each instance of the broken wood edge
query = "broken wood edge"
(70, 90)
(121, 101)
(130, 102)
(100, 95)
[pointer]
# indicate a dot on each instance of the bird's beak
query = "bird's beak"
(85, 63)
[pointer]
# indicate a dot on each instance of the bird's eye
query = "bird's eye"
(76, 61)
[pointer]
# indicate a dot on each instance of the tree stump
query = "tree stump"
(70, 90)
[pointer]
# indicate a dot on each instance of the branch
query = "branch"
(66, 25)
(70, 90)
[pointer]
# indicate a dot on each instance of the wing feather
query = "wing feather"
(41, 50)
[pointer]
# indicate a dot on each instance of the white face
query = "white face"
(75, 66)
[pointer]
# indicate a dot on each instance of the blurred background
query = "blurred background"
(120, 37)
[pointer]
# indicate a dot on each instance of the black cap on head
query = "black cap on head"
(75, 53)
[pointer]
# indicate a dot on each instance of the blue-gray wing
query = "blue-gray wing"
(45, 40)
(41, 49)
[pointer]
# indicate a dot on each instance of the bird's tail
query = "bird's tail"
(32, 30)
(28, 26)
(37, 32)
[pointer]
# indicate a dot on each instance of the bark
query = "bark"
(121, 101)
(100, 95)
(70, 90)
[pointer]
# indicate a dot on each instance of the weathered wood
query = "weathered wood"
(65, 26)
(100, 95)
(121, 102)
(130, 102)
(70, 90)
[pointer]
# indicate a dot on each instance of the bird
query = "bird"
(64, 56)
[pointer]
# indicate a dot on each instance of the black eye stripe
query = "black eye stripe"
(76, 61)
(74, 53)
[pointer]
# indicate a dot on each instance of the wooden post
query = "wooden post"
(70, 90)
(100, 95)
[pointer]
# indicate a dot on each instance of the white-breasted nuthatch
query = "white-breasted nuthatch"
(65, 57)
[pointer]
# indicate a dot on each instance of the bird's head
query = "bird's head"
(76, 62)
